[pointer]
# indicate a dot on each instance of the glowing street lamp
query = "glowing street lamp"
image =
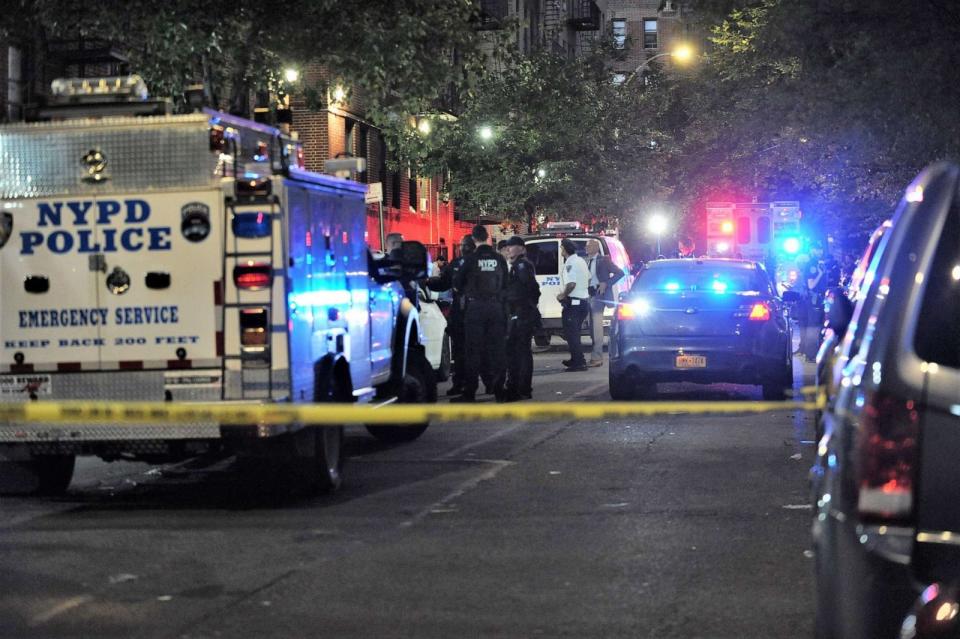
(657, 225)
(291, 75)
(682, 53)
(485, 133)
(424, 126)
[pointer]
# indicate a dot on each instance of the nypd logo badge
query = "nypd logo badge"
(195, 221)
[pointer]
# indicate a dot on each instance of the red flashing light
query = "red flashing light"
(253, 276)
(760, 312)
(626, 311)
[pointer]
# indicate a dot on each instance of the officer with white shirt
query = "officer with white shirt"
(575, 299)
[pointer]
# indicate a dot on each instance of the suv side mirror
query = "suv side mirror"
(839, 311)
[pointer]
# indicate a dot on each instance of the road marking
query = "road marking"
(461, 489)
(59, 609)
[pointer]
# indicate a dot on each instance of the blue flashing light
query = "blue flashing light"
(251, 225)
(672, 286)
(792, 245)
(719, 286)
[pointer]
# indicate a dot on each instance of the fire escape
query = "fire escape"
(585, 21)
(492, 15)
(553, 26)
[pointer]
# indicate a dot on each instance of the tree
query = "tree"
(397, 52)
(543, 133)
(836, 103)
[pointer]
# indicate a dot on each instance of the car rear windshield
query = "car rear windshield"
(545, 256)
(938, 330)
(691, 276)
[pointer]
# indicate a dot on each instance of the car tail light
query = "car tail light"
(759, 312)
(253, 276)
(254, 323)
(634, 309)
(887, 456)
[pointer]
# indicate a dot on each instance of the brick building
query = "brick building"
(412, 204)
(643, 29)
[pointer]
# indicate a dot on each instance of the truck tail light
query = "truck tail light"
(6, 227)
(253, 276)
(254, 327)
(253, 186)
(759, 312)
(251, 225)
(887, 456)
(218, 141)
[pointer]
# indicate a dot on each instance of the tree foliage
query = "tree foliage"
(398, 53)
(565, 140)
(838, 103)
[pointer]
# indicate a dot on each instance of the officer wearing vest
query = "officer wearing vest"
(522, 295)
(481, 282)
(444, 282)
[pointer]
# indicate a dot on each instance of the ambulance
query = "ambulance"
(184, 258)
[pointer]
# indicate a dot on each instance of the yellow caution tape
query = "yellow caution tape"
(339, 414)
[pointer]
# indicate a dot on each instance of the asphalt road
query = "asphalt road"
(674, 526)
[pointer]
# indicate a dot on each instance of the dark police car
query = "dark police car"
(887, 477)
(704, 321)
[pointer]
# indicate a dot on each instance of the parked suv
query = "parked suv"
(886, 482)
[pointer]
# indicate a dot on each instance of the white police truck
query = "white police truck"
(148, 256)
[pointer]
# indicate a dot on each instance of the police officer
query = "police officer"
(575, 280)
(481, 282)
(521, 296)
(444, 282)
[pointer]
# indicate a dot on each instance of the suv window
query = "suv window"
(545, 255)
(938, 329)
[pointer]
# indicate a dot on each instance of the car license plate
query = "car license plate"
(691, 361)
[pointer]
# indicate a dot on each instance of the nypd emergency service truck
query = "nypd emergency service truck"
(188, 258)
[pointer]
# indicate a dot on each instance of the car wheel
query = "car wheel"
(622, 388)
(42, 475)
(446, 355)
(417, 387)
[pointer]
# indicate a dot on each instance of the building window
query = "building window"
(15, 84)
(348, 138)
(412, 185)
(362, 152)
(620, 33)
(649, 33)
(395, 190)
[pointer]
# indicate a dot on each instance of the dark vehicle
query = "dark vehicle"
(704, 321)
(886, 482)
(838, 309)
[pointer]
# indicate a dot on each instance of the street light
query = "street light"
(485, 133)
(291, 75)
(683, 53)
(657, 225)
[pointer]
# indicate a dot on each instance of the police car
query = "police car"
(543, 250)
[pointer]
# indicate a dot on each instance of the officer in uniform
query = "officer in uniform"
(523, 318)
(444, 282)
(481, 281)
